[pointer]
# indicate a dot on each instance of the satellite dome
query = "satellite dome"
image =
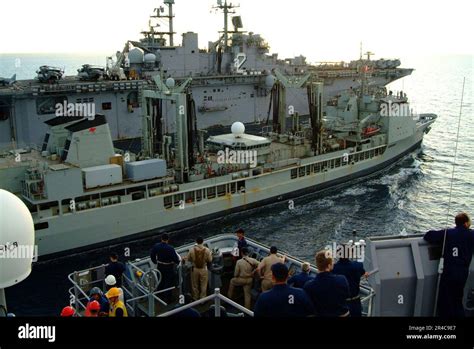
(136, 56)
(270, 81)
(17, 240)
(238, 129)
(150, 58)
(170, 83)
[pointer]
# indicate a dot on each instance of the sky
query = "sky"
(320, 30)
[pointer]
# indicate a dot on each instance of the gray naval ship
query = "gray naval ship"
(83, 192)
(228, 81)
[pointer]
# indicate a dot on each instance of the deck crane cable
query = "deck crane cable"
(441, 261)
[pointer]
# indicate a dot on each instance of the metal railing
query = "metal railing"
(218, 298)
(369, 299)
(133, 291)
(142, 279)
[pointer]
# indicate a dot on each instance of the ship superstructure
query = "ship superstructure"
(229, 81)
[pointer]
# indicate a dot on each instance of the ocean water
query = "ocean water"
(411, 197)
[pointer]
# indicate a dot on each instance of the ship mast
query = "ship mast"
(170, 20)
(160, 14)
(227, 9)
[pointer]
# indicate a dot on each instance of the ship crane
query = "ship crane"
(114, 70)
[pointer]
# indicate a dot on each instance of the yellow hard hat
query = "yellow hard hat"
(113, 292)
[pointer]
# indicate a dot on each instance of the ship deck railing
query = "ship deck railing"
(217, 298)
(142, 278)
(135, 294)
(140, 300)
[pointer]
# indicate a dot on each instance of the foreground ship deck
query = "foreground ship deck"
(413, 276)
(143, 300)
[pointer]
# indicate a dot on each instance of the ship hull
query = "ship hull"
(129, 221)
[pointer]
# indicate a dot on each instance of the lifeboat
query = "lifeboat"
(370, 131)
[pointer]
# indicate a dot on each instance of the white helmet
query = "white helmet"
(110, 280)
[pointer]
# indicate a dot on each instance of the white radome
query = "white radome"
(170, 83)
(270, 81)
(238, 129)
(16, 232)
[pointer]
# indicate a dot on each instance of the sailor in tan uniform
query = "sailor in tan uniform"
(199, 256)
(243, 276)
(265, 268)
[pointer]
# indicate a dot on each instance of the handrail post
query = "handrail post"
(180, 278)
(369, 308)
(217, 302)
(151, 299)
(76, 293)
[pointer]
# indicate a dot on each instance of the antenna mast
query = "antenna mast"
(227, 9)
(160, 14)
(441, 261)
